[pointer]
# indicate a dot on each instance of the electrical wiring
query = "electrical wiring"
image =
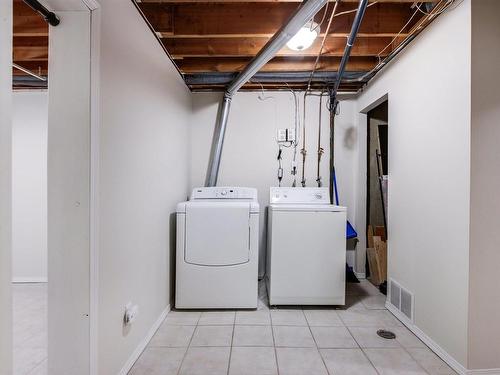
(398, 34)
(415, 29)
(318, 26)
(451, 2)
(322, 45)
(354, 10)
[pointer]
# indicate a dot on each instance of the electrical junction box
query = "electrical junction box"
(285, 135)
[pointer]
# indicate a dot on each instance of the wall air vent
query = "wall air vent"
(402, 299)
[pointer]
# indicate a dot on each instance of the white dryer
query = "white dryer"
(306, 251)
(217, 249)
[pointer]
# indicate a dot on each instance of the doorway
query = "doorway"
(377, 177)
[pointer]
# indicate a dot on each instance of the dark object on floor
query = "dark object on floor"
(386, 334)
(383, 287)
(349, 275)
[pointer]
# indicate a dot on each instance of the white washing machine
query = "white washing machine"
(306, 252)
(217, 249)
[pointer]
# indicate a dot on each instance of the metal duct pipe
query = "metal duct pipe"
(47, 15)
(301, 16)
(347, 51)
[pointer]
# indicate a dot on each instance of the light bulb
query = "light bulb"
(305, 37)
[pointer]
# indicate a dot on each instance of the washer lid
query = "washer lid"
(307, 207)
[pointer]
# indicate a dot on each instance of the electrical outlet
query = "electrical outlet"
(285, 135)
(131, 312)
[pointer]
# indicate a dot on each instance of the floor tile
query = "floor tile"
(430, 361)
(369, 318)
(374, 302)
(41, 369)
(393, 362)
(367, 337)
(333, 337)
(205, 361)
(406, 338)
(212, 318)
(29, 328)
(182, 318)
(347, 362)
(172, 336)
(363, 288)
(288, 318)
(212, 336)
(158, 361)
(253, 361)
(300, 361)
(353, 303)
(322, 318)
(253, 317)
(293, 337)
(253, 336)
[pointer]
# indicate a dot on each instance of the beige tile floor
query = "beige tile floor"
(289, 341)
(30, 329)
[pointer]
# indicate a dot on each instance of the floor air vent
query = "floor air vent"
(401, 299)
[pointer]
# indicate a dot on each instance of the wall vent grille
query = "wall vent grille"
(401, 298)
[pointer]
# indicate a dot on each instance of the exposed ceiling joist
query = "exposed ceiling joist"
(202, 19)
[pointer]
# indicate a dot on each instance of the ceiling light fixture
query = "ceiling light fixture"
(305, 37)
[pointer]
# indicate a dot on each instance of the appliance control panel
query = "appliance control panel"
(224, 192)
(299, 195)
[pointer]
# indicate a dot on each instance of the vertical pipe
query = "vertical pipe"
(218, 141)
(283, 35)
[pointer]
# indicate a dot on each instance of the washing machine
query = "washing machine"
(217, 249)
(306, 252)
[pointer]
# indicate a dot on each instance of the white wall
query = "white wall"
(428, 87)
(5, 186)
(250, 148)
(29, 186)
(144, 163)
(484, 329)
(68, 193)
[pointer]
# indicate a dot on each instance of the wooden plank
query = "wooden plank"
(30, 53)
(263, 18)
(261, 1)
(26, 22)
(233, 47)
(278, 64)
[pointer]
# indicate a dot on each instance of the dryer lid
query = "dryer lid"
(217, 234)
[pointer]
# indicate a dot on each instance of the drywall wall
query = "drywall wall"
(144, 163)
(29, 186)
(484, 303)
(428, 86)
(5, 186)
(68, 193)
(249, 157)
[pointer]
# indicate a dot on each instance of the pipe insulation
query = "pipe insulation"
(301, 16)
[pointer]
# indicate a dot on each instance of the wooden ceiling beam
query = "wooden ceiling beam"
(259, 1)
(278, 64)
(262, 19)
(249, 47)
(26, 22)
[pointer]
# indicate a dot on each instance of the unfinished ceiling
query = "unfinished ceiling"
(30, 46)
(209, 41)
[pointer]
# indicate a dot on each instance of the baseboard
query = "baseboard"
(443, 354)
(360, 275)
(21, 280)
(144, 342)
(491, 371)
